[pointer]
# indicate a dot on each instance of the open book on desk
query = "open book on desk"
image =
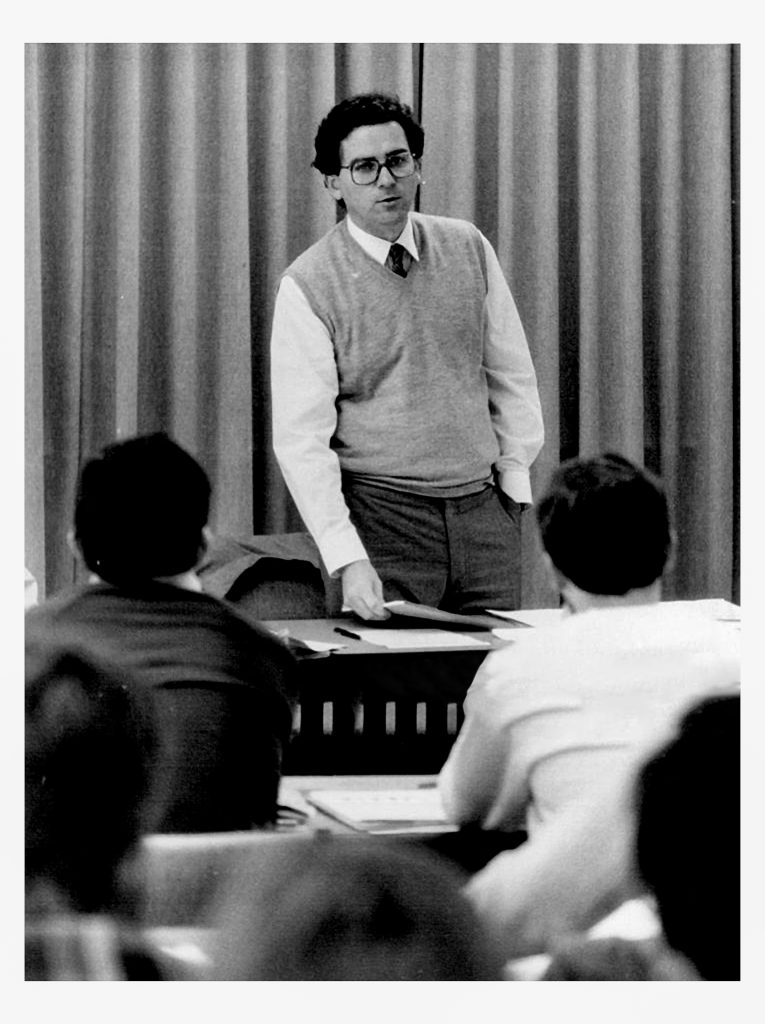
(384, 811)
(445, 620)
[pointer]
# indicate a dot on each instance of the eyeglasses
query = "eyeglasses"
(367, 170)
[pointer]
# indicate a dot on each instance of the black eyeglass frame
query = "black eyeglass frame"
(385, 163)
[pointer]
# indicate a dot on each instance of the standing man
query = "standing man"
(406, 413)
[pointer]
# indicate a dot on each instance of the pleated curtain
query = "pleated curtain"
(169, 185)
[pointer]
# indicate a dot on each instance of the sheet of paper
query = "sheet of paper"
(321, 645)
(506, 634)
(437, 616)
(533, 617)
(382, 805)
(422, 639)
(713, 607)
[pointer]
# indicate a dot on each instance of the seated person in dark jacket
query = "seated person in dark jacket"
(221, 685)
(89, 738)
(688, 843)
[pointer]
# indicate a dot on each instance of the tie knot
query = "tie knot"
(398, 260)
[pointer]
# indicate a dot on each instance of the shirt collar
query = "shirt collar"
(378, 248)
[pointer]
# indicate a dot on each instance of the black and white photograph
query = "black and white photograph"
(382, 504)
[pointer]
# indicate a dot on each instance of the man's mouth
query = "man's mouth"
(389, 199)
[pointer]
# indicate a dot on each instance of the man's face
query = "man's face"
(380, 209)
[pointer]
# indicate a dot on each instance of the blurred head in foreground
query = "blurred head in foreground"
(688, 839)
(88, 737)
(349, 909)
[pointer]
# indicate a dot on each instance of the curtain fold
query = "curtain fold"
(609, 250)
(169, 185)
(602, 175)
(34, 427)
(291, 86)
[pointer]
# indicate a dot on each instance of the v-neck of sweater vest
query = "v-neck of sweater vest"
(381, 268)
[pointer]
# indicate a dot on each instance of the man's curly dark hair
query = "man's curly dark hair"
(355, 112)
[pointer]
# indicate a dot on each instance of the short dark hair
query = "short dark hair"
(89, 741)
(688, 842)
(355, 112)
(604, 522)
(140, 510)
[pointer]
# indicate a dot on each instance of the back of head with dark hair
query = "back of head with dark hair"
(350, 909)
(355, 112)
(89, 738)
(140, 510)
(688, 841)
(604, 522)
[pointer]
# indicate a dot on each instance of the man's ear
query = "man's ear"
(562, 584)
(670, 563)
(205, 540)
(330, 184)
(73, 546)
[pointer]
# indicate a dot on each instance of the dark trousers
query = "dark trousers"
(459, 554)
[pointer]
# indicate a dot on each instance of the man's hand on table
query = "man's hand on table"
(363, 590)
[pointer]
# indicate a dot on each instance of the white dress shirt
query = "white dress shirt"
(304, 390)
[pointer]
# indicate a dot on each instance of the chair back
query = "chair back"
(217, 764)
(280, 588)
(271, 576)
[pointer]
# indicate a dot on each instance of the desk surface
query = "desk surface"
(324, 630)
(369, 710)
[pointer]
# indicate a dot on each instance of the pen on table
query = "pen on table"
(347, 632)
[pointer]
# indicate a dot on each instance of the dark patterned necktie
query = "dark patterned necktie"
(398, 260)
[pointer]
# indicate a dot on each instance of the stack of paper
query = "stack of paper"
(386, 811)
(532, 617)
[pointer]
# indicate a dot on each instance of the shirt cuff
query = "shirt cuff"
(341, 551)
(516, 484)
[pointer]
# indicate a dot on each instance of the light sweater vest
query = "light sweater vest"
(413, 404)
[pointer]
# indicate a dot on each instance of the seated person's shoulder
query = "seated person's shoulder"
(525, 665)
(619, 959)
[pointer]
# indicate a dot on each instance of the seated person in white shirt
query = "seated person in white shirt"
(640, 881)
(549, 717)
(405, 405)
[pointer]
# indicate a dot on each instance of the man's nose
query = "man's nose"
(384, 169)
